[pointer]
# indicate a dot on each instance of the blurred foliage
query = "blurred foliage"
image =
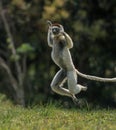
(91, 25)
(24, 48)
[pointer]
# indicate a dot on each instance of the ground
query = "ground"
(54, 117)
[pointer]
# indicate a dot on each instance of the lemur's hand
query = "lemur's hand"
(63, 33)
(49, 23)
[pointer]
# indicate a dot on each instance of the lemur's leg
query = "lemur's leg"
(73, 87)
(57, 83)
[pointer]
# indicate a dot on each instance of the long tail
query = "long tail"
(95, 77)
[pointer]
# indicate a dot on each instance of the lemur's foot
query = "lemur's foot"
(75, 100)
(83, 88)
(79, 102)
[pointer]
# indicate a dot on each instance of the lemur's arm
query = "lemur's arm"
(68, 40)
(49, 39)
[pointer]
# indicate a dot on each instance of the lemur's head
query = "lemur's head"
(55, 28)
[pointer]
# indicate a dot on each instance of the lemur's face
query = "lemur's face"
(56, 30)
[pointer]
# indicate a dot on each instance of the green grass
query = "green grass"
(52, 117)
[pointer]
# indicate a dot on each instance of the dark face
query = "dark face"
(56, 30)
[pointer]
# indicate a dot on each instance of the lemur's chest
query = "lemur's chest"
(57, 52)
(61, 55)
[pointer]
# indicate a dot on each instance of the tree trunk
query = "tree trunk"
(20, 97)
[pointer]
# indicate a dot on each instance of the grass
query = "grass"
(52, 117)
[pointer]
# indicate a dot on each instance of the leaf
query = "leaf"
(25, 48)
(15, 57)
(8, 40)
